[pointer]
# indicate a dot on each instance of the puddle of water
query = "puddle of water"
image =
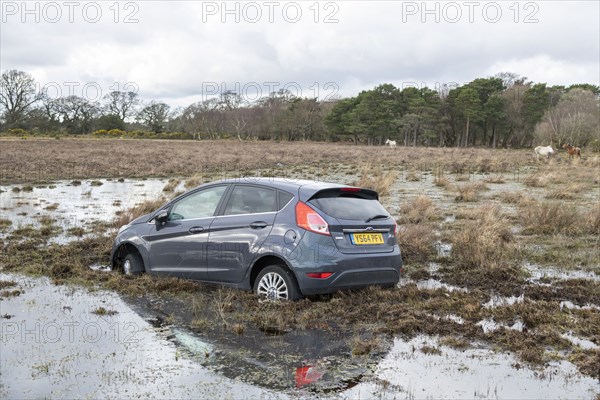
(538, 273)
(100, 267)
(570, 305)
(408, 373)
(452, 317)
(193, 343)
(489, 325)
(583, 343)
(499, 301)
(431, 284)
(76, 204)
(450, 218)
(55, 347)
(443, 249)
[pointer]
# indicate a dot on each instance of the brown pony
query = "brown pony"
(572, 150)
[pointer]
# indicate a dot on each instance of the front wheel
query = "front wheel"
(132, 264)
(276, 283)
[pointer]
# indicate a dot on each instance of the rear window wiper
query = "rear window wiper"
(378, 216)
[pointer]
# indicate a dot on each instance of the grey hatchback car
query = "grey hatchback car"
(281, 238)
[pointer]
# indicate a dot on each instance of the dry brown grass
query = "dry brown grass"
(441, 181)
(375, 179)
(535, 180)
(419, 209)
(171, 185)
(417, 242)
(194, 181)
(550, 217)
(511, 197)
(361, 346)
(486, 242)
(570, 192)
(594, 220)
(85, 158)
(469, 192)
(495, 179)
(137, 211)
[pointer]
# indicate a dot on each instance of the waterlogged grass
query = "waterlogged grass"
(498, 228)
(376, 179)
(366, 316)
(104, 312)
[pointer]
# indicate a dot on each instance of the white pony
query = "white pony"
(391, 143)
(546, 151)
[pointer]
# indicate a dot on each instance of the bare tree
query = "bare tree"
(203, 117)
(574, 119)
(121, 103)
(76, 113)
(17, 94)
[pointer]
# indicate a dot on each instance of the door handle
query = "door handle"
(258, 225)
(195, 229)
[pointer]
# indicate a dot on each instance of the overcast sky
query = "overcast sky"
(181, 52)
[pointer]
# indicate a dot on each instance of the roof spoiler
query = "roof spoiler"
(346, 191)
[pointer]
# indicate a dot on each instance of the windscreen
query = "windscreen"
(348, 206)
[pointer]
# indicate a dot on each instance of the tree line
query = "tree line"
(501, 111)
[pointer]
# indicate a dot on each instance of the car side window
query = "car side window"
(251, 200)
(201, 204)
(284, 198)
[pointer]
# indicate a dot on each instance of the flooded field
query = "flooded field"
(57, 336)
(500, 297)
(56, 343)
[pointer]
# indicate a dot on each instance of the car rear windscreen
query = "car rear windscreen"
(348, 206)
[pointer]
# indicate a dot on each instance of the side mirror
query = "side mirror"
(161, 218)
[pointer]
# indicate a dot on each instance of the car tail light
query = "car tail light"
(310, 220)
(319, 275)
(350, 189)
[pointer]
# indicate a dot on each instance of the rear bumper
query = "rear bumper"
(349, 271)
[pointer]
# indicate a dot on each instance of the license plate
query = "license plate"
(367, 238)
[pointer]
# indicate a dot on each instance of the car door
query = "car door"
(239, 231)
(178, 247)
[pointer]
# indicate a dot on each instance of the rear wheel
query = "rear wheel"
(276, 283)
(132, 264)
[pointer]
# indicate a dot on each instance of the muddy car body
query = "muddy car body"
(282, 238)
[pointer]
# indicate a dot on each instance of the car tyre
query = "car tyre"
(276, 283)
(132, 264)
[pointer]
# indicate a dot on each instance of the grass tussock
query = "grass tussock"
(485, 254)
(194, 181)
(360, 346)
(417, 242)
(594, 220)
(171, 185)
(570, 192)
(5, 284)
(5, 224)
(469, 192)
(103, 311)
(377, 180)
(511, 197)
(552, 217)
(484, 242)
(441, 181)
(137, 211)
(419, 209)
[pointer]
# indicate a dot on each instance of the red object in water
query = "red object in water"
(319, 275)
(307, 375)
